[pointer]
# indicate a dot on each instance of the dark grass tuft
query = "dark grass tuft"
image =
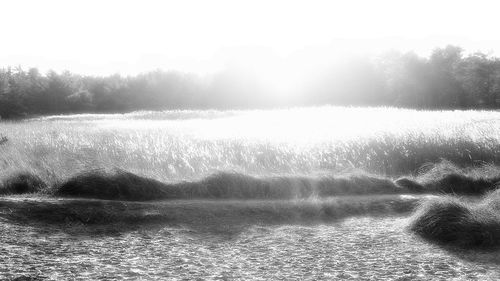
(462, 184)
(410, 185)
(117, 185)
(449, 184)
(22, 183)
(3, 139)
(454, 222)
(239, 186)
(122, 185)
(445, 177)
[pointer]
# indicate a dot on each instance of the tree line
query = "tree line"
(446, 79)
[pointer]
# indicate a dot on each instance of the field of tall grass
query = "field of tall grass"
(264, 154)
(190, 145)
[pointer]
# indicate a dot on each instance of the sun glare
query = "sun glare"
(249, 140)
(198, 36)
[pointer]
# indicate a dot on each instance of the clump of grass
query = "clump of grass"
(21, 183)
(449, 184)
(239, 186)
(445, 177)
(410, 184)
(454, 222)
(122, 185)
(115, 185)
(3, 139)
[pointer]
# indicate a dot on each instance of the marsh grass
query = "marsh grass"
(459, 222)
(122, 185)
(115, 184)
(446, 178)
(275, 158)
(22, 183)
(256, 154)
(177, 146)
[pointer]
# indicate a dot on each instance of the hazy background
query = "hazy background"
(129, 37)
(130, 55)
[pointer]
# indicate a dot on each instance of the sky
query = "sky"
(128, 37)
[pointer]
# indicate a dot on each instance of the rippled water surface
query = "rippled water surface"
(354, 249)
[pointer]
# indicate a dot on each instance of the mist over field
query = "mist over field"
(447, 79)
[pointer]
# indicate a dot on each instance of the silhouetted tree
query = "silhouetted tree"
(447, 79)
(446, 89)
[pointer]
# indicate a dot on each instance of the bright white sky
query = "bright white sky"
(105, 37)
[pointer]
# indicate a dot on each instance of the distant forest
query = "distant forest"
(447, 79)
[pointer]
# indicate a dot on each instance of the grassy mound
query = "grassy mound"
(449, 184)
(410, 185)
(239, 186)
(122, 185)
(356, 184)
(445, 177)
(450, 221)
(462, 184)
(22, 183)
(116, 185)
